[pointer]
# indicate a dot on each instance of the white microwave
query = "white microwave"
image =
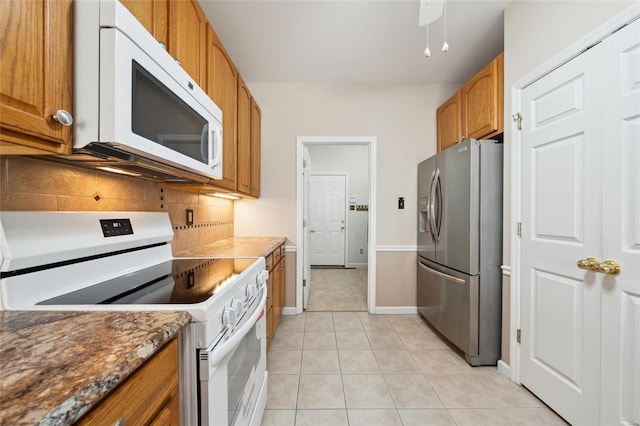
(137, 111)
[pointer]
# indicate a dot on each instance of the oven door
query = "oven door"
(233, 376)
(146, 110)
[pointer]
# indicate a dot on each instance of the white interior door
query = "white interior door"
(327, 219)
(306, 267)
(621, 224)
(561, 223)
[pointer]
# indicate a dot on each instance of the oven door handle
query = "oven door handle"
(218, 353)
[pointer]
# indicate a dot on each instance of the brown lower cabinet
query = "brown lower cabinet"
(276, 265)
(150, 396)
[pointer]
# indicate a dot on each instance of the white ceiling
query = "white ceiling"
(355, 41)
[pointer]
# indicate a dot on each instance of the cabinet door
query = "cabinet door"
(188, 37)
(150, 394)
(448, 122)
(482, 102)
(222, 88)
(36, 75)
(256, 120)
(281, 284)
(152, 14)
(244, 137)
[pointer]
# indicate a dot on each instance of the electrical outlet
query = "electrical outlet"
(189, 217)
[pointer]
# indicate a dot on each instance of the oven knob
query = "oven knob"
(262, 277)
(238, 306)
(252, 290)
(229, 316)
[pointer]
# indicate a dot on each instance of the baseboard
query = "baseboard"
(357, 265)
(396, 310)
(504, 369)
(289, 310)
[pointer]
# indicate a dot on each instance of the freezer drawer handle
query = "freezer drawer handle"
(442, 274)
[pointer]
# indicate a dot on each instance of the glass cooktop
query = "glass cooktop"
(177, 281)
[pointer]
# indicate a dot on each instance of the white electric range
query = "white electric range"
(123, 261)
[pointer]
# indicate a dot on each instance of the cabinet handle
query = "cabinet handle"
(164, 46)
(178, 62)
(121, 421)
(63, 117)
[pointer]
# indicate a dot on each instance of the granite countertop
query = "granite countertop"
(54, 366)
(236, 247)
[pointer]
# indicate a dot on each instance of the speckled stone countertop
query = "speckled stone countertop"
(236, 247)
(54, 366)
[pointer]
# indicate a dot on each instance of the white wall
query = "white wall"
(402, 117)
(354, 161)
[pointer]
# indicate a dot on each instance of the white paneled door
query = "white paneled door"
(580, 348)
(621, 227)
(306, 257)
(327, 219)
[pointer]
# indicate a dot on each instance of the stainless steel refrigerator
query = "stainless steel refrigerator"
(460, 247)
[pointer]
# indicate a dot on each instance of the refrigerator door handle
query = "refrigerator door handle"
(438, 218)
(442, 274)
(429, 210)
(432, 200)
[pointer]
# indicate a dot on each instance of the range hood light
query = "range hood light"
(225, 196)
(118, 171)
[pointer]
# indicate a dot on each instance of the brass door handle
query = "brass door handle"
(608, 267)
(589, 264)
(312, 231)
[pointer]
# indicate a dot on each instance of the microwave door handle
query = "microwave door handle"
(205, 143)
(215, 147)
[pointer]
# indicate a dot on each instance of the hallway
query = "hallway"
(338, 289)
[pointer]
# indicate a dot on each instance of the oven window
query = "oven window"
(157, 114)
(241, 366)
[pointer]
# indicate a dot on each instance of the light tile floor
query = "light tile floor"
(352, 368)
(338, 290)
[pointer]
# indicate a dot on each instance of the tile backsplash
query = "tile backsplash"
(35, 184)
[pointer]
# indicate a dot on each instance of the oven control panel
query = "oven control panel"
(115, 227)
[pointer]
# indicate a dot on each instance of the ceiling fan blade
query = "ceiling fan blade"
(430, 10)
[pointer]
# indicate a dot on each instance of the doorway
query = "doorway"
(322, 160)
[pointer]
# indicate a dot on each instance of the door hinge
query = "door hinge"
(517, 118)
(304, 283)
(304, 223)
(519, 229)
(304, 163)
(519, 336)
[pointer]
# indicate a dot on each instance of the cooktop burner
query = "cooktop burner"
(177, 281)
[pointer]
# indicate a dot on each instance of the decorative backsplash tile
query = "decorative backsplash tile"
(35, 184)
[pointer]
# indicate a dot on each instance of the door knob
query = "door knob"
(589, 264)
(608, 267)
(342, 228)
(312, 231)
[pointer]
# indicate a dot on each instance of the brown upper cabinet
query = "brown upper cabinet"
(244, 138)
(222, 78)
(153, 15)
(249, 121)
(479, 105)
(188, 38)
(36, 76)
(256, 131)
(449, 122)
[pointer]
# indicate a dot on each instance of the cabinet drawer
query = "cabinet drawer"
(144, 396)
